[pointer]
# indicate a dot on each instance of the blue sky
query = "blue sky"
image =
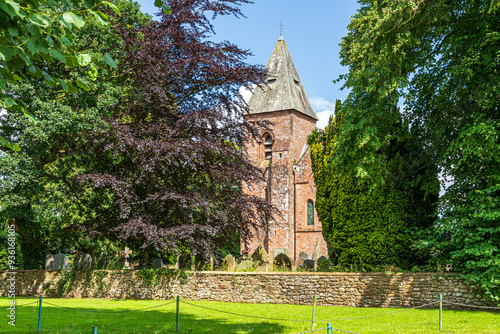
(312, 31)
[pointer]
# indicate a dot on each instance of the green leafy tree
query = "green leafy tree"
(35, 179)
(441, 59)
(35, 34)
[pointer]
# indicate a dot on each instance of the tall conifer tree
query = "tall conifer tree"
(369, 226)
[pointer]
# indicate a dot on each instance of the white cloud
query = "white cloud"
(246, 93)
(324, 109)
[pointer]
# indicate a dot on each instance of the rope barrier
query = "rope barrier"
(266, 318)
(473, 306)
(314, 330)
(274, 319)
(4, 308)
(340, 330)
(308, 320)
(379, 315)
(243, 315)
(102, 311)
(322, 329)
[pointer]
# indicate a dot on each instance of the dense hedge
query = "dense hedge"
(369, 226)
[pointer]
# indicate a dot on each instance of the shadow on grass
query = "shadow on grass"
(64, 321)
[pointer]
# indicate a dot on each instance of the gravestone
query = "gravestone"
(144, 262)
(102, 261)
(244, 263)
(184, 261)
(278, 251)
(61, 262)
(157, 263)
(200, 263)
(282, 262)
(303, 256)
(229, 259)
(127, 254)
(260, 259)
(49, 262)
(323, 264)
(316, 253)
(309, 265)
(83, 261)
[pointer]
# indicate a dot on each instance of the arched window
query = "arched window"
(310, 212)
(268, 146)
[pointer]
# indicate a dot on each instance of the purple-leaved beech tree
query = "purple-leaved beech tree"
(171, 165)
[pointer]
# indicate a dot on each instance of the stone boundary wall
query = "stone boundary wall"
(337, 289)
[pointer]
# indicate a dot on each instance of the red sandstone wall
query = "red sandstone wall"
(307, 236)
(290, 131)
(280, 195)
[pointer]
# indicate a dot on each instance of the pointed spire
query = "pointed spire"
(283, 89)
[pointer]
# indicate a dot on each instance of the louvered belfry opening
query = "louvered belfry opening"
(268, 146)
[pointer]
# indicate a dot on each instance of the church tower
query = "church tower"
(283, 156)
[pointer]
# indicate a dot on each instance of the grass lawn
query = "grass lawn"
(198, 320)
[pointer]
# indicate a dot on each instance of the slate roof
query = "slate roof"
(284, 90)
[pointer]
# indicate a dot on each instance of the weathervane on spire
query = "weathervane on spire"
(281, 27)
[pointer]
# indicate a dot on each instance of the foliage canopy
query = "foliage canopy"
(36, 36)
(151, 155)
(36, 179)
(441, 59)
(170, 166)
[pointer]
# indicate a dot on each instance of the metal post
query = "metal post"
(40, 314)
(440, 312)
(329, 329)
(314, 313)
(177, 314)
(94, 329)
